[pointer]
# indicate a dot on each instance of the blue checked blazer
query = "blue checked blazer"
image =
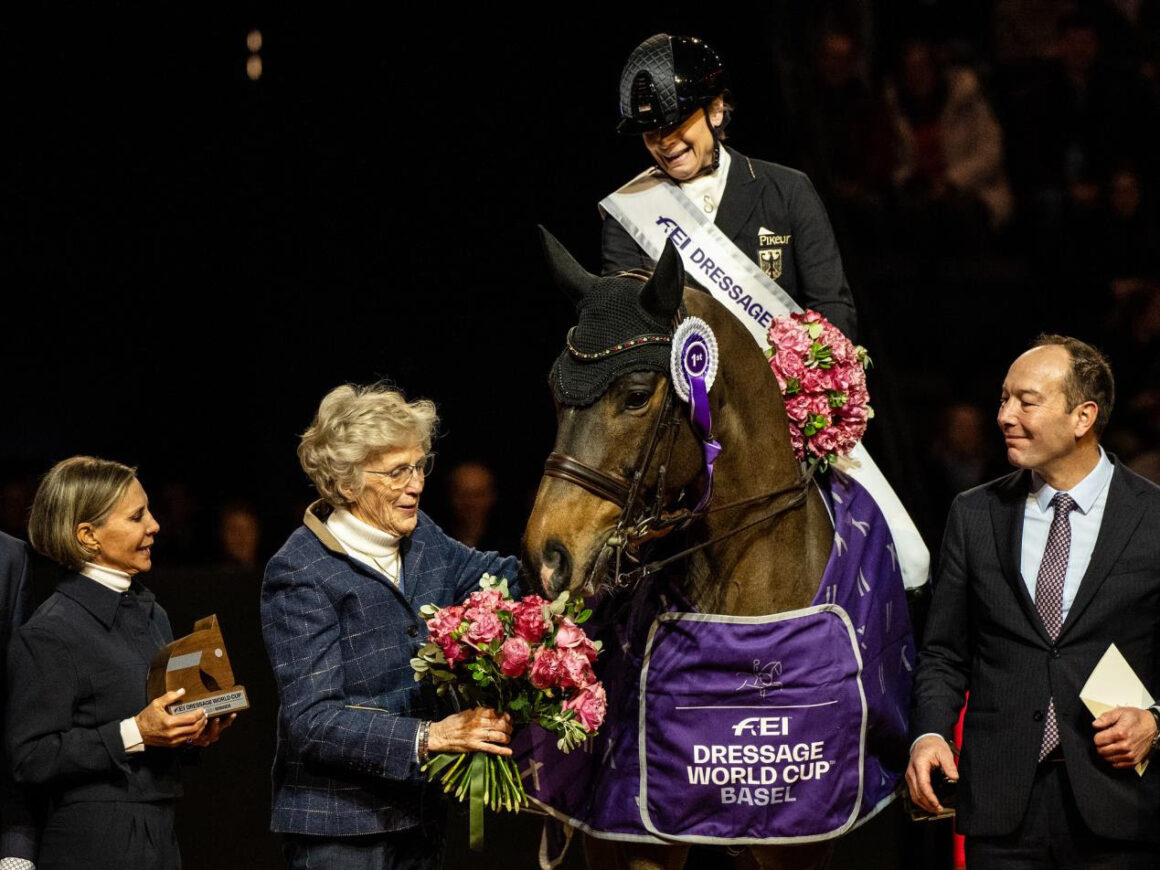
(340, 638)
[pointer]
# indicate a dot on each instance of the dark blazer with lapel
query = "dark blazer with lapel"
(985, 635)
(340, 638)
(17, 826)
(767, 196)
(76, 669)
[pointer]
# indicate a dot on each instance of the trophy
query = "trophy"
(198, 663)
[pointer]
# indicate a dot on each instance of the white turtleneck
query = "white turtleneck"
(705, 191)
(370, 545)
(110, 578)
(119, 582)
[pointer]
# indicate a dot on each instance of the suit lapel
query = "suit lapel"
(1121, 516)
(1007, 523)
(742, 192)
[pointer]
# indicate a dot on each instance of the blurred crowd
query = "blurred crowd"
(992, 171)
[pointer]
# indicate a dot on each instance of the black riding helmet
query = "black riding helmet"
(665, 80)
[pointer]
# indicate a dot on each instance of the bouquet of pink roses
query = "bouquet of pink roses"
(822, 375)
(528, 658)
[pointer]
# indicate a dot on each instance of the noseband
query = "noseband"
(601, 485)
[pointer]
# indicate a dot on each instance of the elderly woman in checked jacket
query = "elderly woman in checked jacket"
(340, 618)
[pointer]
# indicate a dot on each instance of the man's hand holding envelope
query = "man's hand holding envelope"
(1126, 727)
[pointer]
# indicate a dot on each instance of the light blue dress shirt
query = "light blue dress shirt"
(1091, 496)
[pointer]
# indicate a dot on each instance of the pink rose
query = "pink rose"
(577, 671)
(787, 333)
(841, 351)
(791, 341)
(788, 365)
(568, 634)
(547, 669)
(453, 651)
(854, 415)
(841, 379)
(811, 381)
(528, 619)
(797, 409)
(589, 705)
(485, 628)
(824, 442)
(818, 405)
(443, 623)
(486, 599)
(515, 655)
(589, 649)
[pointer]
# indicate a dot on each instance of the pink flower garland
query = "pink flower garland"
(822, 376)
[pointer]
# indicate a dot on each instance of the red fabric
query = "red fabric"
(959, 844)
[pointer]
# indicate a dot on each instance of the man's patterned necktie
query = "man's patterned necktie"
(1049, 593)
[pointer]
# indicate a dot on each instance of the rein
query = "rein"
(796, 491)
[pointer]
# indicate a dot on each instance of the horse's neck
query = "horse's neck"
(772, 567)
(777, 564)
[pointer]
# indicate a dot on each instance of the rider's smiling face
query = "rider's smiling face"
(685, 150)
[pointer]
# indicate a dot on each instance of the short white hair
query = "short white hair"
(353, 424)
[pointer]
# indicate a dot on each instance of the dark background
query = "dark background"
(191, 259)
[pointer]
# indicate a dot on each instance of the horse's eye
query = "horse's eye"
(636, 400)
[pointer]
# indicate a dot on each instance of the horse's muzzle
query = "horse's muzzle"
(555, 567)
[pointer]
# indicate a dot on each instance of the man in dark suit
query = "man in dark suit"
(1040, 571)
(18, 836)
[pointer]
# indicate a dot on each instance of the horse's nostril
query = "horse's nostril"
(558, 561)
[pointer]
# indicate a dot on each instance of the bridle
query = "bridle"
(640, 522)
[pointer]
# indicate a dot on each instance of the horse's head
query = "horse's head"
(614, 423)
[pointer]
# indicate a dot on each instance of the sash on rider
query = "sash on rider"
(652, 209)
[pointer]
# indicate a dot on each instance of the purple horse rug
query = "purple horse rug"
(787, 728)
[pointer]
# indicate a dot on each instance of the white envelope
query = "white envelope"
(1113, 683)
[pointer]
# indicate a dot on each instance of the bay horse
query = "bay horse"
(627, 467)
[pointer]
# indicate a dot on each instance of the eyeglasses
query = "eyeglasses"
(399, 477)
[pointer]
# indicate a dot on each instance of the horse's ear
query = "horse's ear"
(569, 275)
(662, 294)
